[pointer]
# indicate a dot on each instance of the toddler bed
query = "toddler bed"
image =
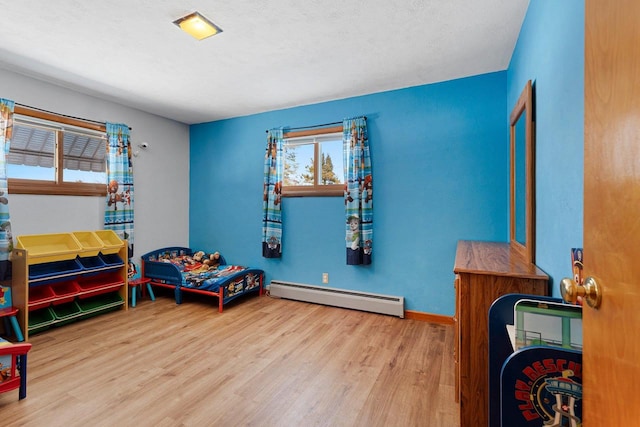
(185, 270)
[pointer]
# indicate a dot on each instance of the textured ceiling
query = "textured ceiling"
(271, 54)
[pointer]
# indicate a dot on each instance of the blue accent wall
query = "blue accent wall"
(550, 53)
(440, 167)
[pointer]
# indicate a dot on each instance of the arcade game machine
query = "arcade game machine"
(535, 362)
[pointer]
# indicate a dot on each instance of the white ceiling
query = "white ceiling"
(270, 55)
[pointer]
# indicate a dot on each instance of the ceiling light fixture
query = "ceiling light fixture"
(197, 26)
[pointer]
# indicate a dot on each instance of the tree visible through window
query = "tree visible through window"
(328, 175)
(313, 164)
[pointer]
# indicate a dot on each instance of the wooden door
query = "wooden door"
(612, 212)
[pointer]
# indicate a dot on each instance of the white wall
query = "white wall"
(161, 172)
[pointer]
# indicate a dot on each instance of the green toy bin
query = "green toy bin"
(40, 320)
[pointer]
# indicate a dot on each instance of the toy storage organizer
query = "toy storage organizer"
(535, 379)
(65, 277)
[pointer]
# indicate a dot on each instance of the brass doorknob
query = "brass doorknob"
(591, 292)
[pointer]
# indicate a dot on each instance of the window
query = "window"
(51, 154)
(313, 163)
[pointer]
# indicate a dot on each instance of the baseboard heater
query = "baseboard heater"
(376, 303)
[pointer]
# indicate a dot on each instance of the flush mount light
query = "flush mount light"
(197, 26)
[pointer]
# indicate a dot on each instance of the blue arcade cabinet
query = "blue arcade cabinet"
(535, 362)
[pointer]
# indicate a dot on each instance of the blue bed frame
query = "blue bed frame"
(167, 275)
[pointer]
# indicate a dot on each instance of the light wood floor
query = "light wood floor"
(263, 362)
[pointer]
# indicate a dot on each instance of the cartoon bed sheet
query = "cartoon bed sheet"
(185, 270)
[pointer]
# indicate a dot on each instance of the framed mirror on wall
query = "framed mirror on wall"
(522, 179)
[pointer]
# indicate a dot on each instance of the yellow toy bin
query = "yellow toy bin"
(49, 247)
(111, 243)
(90, 243)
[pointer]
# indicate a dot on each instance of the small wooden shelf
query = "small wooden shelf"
(54, 288)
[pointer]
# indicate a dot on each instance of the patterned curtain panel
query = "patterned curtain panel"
(358, 193)
(118, 215)
(6, 239)
(272, 197)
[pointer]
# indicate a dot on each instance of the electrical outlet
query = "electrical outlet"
(325, 277)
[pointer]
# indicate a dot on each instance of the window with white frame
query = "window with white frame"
(51, 154)
(313, 163)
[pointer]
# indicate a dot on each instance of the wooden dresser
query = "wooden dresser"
(484, 271)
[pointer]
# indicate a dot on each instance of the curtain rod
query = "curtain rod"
(63, 115)
(315, 126)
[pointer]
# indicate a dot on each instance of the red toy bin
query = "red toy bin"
(65, 291)
(92, 286)
(40, 297)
